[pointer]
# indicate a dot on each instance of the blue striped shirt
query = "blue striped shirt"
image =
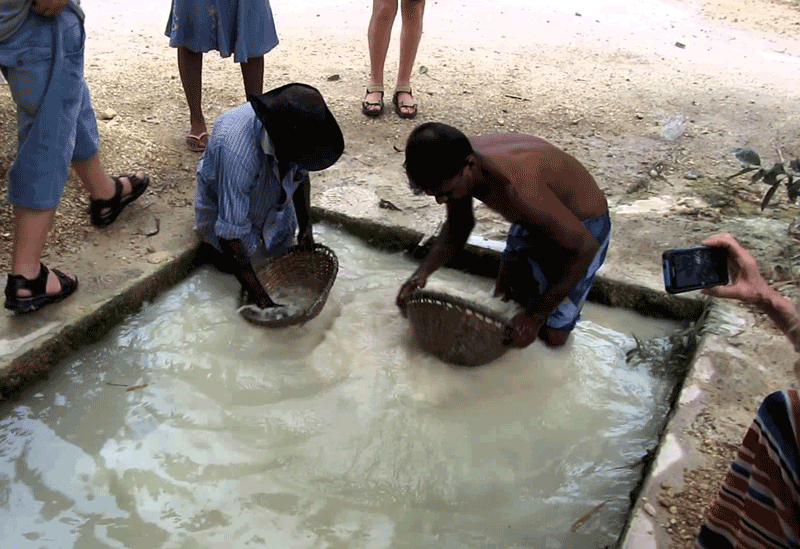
(238, 193)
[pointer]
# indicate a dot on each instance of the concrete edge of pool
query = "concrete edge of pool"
(40, 350)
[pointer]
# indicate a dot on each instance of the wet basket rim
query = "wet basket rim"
(319, 252)
(421, 295)
(420, 304)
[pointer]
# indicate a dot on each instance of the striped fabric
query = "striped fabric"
(238, 193)
(758, 504)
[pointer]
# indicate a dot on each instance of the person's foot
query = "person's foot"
(127, 188)
(27, 294)
(404, 103)
(52, 287)
(197, 138)
(373, 101)
(197, 143)
(404, 97)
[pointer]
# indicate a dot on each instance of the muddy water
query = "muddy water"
(339, 433)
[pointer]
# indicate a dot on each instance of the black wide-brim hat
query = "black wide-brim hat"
(300, 126)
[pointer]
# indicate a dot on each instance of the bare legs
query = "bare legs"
(253, 75)
(31, 227)
(410, 34)
(190, 68)
(378, 35)
(95, 179)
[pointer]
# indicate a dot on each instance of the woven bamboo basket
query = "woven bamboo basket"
(455, 330)
(305, 276)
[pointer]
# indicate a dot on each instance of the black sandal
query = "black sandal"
(38, 288)
(117, 203)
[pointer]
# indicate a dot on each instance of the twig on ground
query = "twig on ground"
(784, 283)
(359, 160)
(780, 154)
(128, 388)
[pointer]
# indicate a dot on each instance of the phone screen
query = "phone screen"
(694, 268)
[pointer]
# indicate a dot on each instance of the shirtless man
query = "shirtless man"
(560, 224)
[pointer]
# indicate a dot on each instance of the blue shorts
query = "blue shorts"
(43, 64)
(521, 247)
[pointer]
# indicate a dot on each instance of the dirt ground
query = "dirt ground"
(652, 97)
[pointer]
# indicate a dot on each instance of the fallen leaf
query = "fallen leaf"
(136, 387)
(748, 156)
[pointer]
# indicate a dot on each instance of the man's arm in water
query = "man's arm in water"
(454, 234)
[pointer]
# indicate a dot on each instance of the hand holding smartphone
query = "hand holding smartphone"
(688, 269)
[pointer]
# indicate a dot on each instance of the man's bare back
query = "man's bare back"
(527, 162)
(560, 224)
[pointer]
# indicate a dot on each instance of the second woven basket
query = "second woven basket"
(455, 330)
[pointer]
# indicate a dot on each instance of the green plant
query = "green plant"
(773, 176)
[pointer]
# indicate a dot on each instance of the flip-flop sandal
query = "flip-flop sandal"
(398, 105)
(38, 288)
(117, 203)
(195, 143)
(366, 104)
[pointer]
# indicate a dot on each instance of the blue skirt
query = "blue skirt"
(244, 28)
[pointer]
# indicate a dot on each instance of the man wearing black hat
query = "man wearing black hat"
(253, 188)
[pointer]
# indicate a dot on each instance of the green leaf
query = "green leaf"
(747, 156)
(758, 175)
(794, 192)
(794, 165)
(768, 196)
(770, 178)
(777, 169)
(423, 69)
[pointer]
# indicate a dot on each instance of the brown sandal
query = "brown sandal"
(366, 104)
(399, 105)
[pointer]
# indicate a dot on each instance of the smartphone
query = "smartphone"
(690, 269)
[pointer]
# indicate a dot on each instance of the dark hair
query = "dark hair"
(435, 152)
